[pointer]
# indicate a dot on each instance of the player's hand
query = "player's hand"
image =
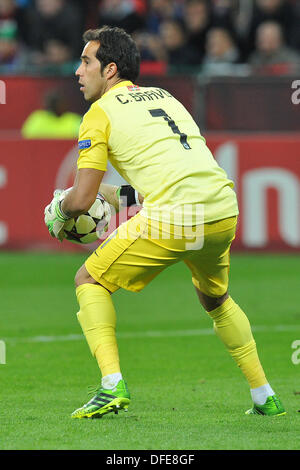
(54, 217)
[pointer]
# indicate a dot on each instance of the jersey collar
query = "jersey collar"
(119, 85)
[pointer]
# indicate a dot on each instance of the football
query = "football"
(89, 227)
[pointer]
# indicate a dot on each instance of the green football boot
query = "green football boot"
(272, 407)
(105, 401)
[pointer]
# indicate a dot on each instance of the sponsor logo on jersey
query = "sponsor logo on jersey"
(84, 144)
(133, 87)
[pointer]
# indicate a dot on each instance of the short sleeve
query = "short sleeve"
(93, 139)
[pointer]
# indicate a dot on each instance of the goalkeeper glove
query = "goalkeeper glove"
(55, 219)
(127, 196)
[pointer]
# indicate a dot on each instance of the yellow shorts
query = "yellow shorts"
(138, 250)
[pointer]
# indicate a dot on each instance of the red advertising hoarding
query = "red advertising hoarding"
(266, 171)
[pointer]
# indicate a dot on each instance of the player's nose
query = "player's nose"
(77, 71)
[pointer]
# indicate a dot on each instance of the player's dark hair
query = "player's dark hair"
(116, 46)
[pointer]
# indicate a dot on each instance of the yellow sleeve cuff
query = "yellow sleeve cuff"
(92, 165)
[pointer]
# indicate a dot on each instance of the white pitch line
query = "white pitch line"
(151, 334)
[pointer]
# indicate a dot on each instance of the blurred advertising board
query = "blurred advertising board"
(265, 169)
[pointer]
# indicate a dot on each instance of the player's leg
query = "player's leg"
(97, 318)
(210, 268)
(127, 260)
(233, 328)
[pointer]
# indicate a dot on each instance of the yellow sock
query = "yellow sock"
(233, 328)
(97, 318)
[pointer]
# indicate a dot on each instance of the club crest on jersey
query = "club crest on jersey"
(84, 144)
(133, 87)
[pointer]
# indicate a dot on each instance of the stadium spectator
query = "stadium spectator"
(197, 21)
(121, 13)
(169, 46)
(150, 47)
(271, 49)
(49, 29)
(279, 11)
(12, 57)
(221, 52)
(161, 10)
(7, 9)
(56, 53)
(50, 20)
(175, 46)
(54, 121)
(223, 13)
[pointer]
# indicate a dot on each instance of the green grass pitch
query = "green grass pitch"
(187, 392)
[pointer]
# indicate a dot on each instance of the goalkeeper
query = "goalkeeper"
(189, 214)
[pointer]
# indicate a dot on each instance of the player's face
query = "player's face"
(93, 82)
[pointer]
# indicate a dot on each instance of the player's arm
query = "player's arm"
(77, 201)
(91, 164)
(84, 192)
(120, 196)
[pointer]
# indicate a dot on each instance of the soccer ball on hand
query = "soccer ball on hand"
(89, 227)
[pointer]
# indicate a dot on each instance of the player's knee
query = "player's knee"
(83, 277)
(211, 303)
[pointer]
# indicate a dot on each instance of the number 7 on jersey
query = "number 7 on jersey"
(161, 113)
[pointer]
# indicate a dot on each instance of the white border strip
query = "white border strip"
(150, 334)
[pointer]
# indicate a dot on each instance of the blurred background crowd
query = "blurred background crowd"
(216, 37)
(234, 64)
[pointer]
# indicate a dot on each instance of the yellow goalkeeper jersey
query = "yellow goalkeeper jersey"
(155, 145)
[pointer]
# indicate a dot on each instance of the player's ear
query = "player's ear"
(110, 70)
